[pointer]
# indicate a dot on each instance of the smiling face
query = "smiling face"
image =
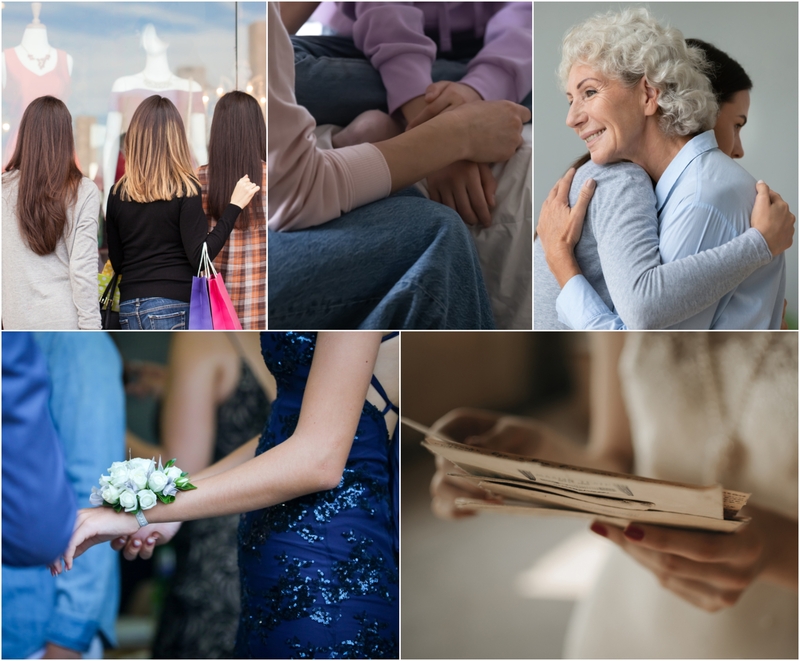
(606, 114)
(732, 118)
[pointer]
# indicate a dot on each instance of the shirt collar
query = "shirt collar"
(691, 150)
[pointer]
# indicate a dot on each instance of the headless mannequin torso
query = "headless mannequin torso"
(32, 69)
(156, 78)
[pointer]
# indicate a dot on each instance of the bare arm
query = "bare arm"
(610, 446)
(310, 460)
(203, 371)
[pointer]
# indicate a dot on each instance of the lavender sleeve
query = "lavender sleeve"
(503, 68)
(392, 36)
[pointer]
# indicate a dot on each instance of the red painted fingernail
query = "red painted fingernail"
(634, 533)
(599, 529)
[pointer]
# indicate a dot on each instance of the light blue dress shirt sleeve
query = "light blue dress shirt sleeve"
(579, 306)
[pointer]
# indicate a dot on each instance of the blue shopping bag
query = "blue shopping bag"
(199, 303)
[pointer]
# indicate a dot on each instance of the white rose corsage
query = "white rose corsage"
(138, 484)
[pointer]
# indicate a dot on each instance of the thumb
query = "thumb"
(762, 197)
(587, 190)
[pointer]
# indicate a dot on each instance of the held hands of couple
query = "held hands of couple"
(560, 226)
(95, 525)
(771, 216)
(244, 192)
(466, 187)
(441, 97)
(492, 134)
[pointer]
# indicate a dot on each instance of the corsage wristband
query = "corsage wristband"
(138, 484)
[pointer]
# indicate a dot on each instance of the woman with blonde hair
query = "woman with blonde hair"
(238, 143)
(50, 213)
(156, 223)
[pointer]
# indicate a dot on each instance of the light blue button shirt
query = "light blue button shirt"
(704, 199)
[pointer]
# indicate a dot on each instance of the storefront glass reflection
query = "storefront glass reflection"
(103, 58)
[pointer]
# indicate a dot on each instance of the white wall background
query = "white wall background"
(761, 36)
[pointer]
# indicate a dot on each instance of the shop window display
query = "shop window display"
(104, 58)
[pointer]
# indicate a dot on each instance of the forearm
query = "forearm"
(562, 265)
(240, 455)
(290, 470)
(194, 229)
(651, 295)
(427, 148)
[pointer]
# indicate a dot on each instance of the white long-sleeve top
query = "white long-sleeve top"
(56, 291)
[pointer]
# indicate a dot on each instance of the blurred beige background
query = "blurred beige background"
(476, 588)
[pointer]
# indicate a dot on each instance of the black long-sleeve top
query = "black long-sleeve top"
(156, 246)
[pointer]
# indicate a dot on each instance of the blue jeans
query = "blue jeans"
(336, 82)
(153, 314)
(400, 263)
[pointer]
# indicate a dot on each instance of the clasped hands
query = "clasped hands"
(466, 187)
(95, 525)
(709, 570)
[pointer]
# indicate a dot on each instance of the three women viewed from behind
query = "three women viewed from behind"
(155, 218)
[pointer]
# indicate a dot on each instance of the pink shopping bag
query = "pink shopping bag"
(222, 313)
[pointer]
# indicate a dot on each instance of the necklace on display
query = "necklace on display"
(41, 61)
(157, 84)
(730, 450)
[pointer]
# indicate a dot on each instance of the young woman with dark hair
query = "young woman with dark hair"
(50, 214)
(156, 224)
(238, 143)
(732, 87)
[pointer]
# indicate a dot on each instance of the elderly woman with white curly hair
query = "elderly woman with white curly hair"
(640, 99)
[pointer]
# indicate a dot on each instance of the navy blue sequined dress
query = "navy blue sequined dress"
(320, 573)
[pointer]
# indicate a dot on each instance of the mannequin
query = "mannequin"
(30, 70)
(156, 78)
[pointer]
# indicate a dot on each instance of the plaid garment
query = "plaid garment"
(243, 262)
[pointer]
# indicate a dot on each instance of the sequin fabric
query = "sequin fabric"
(319, 573)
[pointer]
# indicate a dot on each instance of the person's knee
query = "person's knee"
(449, 224)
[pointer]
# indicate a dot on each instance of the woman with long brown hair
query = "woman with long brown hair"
(156, 224)
(238, 143)
(50, 214)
